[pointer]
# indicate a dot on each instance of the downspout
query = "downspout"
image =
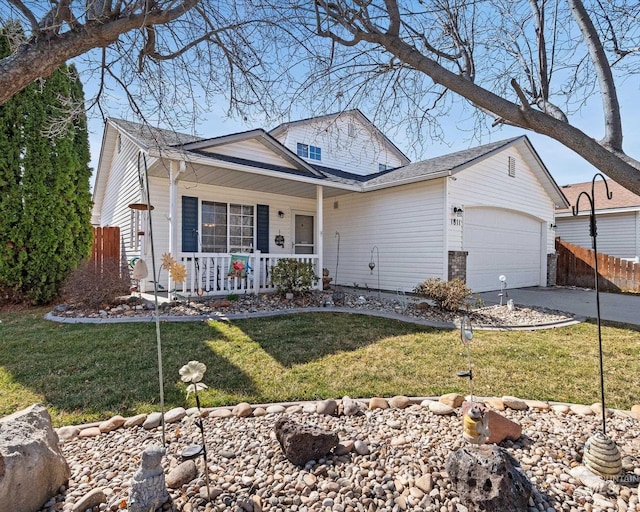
(445, 230)
(319, 233)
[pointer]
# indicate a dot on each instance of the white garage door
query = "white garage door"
(500, 242)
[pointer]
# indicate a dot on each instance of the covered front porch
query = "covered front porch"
(216, 212)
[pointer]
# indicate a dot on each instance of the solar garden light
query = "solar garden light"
(503, 285)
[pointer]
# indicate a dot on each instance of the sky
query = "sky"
(564, 165)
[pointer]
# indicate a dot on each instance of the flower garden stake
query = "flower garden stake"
(601, 455)
(192, 372)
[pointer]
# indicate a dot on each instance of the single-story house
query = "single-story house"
(333, 191)
(618, 219)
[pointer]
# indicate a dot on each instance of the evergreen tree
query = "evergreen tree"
(45, 203)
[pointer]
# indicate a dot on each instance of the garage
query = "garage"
(501, 242)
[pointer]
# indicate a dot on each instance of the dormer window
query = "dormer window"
(307, 151)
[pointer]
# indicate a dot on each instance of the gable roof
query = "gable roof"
(357, 114)
(620, 196)
(452, 163)
(258, 135)
(150, 137)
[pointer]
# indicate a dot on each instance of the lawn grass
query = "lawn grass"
(86, 372)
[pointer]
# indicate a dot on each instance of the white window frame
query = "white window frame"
(229, 248)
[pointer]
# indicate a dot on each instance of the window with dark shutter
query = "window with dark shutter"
(189, 224)
(262, 227)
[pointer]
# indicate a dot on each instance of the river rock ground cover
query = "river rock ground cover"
(240, 305)
(393, 460)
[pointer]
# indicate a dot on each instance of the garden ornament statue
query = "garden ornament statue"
(601, 455)
(475, 429)
(148, 489)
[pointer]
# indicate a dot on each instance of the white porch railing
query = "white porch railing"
(208, 273)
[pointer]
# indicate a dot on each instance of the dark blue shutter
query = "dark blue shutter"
(262, 227)
(189, 224)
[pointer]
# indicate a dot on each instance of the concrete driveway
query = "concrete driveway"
(580, 301)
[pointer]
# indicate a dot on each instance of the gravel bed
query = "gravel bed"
(405, 469)
(243, 305)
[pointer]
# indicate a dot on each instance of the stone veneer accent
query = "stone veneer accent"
(552, 268)
(458, 265)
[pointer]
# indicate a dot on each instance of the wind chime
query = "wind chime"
(601, 455)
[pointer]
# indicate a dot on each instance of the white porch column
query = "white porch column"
(175, 168)
(319, 234)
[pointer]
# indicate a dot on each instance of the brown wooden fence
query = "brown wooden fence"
(576, 268)
(106, 246)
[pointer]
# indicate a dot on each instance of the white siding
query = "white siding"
(355, 150)
(488, 184)
(122, 189)
(519, 204)
(617, 233)
(251, 150)
(405, 223)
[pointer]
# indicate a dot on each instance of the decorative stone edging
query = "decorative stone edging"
(331, 309)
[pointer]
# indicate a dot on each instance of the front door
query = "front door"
(303, 234)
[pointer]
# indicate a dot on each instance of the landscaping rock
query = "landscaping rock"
(582, 410)
(182, 474)
(399, 402)
(327, 407)
(221, 413)
(152, 421)
(487, 478)
(67, 433)
(452, 400)
(378, 403)
(135, 421)
(92, 499)
(538, 405)
(495, 403)
(361, 447)
(90, 432)
(501, 428)
(301, 443)
(242, 410)
(175, 415)
(32, 468)
(635, 410)
(441, 409)
(111, 424)
(275, 409)
(515, 403)
(351, 407)
(560, 408)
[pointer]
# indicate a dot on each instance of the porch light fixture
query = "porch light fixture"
(280, 214)
(552, 225)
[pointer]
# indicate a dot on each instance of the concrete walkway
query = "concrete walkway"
(580, 301)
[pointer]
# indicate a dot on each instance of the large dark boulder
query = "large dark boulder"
(32, 468)
(301, 443)
(486, 478)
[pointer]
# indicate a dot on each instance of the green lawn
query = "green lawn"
(87, 372)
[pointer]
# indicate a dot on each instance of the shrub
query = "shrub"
(293, 276)
(92, 287)
(448, 295)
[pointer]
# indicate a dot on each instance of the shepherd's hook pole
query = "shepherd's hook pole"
(593, 232)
